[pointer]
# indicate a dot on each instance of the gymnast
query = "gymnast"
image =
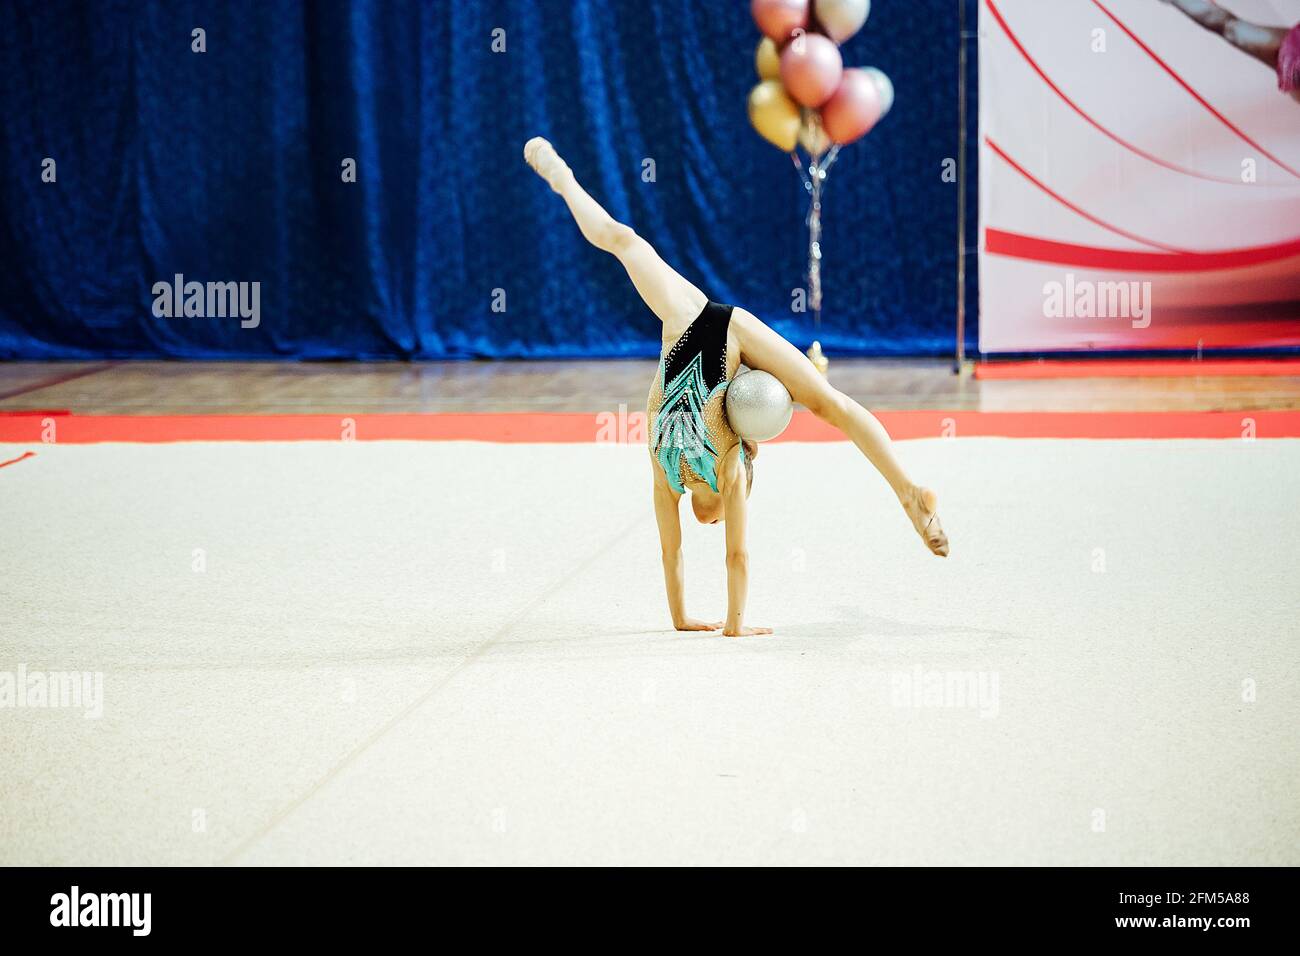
(692, 446)
(1277, 47)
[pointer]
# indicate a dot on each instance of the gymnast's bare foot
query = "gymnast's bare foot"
(920, 505)
(746, 631)
(691, 624)
(546, 162)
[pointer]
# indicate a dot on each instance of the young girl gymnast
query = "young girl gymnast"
(692, 446)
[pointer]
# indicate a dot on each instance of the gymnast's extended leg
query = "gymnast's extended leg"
(763, 348)
(669, 296)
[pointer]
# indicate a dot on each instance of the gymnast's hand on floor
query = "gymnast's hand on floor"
(690, 624)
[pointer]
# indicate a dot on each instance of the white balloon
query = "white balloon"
(758, 406)
(885, 86)
(842, 18)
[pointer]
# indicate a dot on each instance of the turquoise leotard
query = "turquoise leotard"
(687, 409)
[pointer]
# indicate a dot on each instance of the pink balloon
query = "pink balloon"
(811, 68)
(854, 109)
(779, 18)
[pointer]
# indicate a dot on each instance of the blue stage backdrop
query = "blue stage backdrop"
(228, 166)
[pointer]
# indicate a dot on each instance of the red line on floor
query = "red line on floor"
(578, 428)
(962, 424)
(1124, 368)
(13, 461)
(57, 380)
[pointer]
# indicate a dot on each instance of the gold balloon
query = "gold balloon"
(774, 115)
(767, 60)
(812, 137)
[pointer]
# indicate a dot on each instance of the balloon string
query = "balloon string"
(831, 156)
(815, 245)
(815, 182)
(807, 183)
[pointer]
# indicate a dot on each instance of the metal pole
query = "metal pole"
(961, 188)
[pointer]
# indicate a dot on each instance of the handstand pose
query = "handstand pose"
(692, 446)
(1277, 47)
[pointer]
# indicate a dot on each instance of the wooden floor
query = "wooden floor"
(176, 388)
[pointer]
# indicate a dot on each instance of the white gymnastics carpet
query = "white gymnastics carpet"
(459, 653)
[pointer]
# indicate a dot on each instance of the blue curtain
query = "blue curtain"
(227, 166)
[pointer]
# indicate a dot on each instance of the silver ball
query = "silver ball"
(758, 405)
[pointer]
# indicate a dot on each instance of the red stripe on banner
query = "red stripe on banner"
(1028, 58)
(1187, 86)
(1072, 207)
(13, 461)
(1016, 246)
(1126, 368)
(574, 428)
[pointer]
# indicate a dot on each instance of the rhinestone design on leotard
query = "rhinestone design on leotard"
(687, 404)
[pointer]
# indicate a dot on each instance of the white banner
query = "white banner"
(1140, 175)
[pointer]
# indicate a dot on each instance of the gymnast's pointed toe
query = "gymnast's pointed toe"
(921, 507)
(546, 162)
(532, 147)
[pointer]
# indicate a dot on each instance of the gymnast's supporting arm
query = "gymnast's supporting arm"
(731, 483)
(670, 541)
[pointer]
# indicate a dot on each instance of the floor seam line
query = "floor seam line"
(276, 819)
(58, 380)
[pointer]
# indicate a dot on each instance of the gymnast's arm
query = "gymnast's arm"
(733, 488)
(670, 544)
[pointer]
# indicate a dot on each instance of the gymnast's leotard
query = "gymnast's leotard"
(687, 405)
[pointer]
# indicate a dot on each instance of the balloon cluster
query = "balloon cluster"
(799, 64)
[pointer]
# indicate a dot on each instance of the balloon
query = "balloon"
(758, 405)
(854, 109)
(774, 115)
(842, 18)
(767, 60)
(779, 18)
(811, 69)
(812, 136)
(885, 87)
